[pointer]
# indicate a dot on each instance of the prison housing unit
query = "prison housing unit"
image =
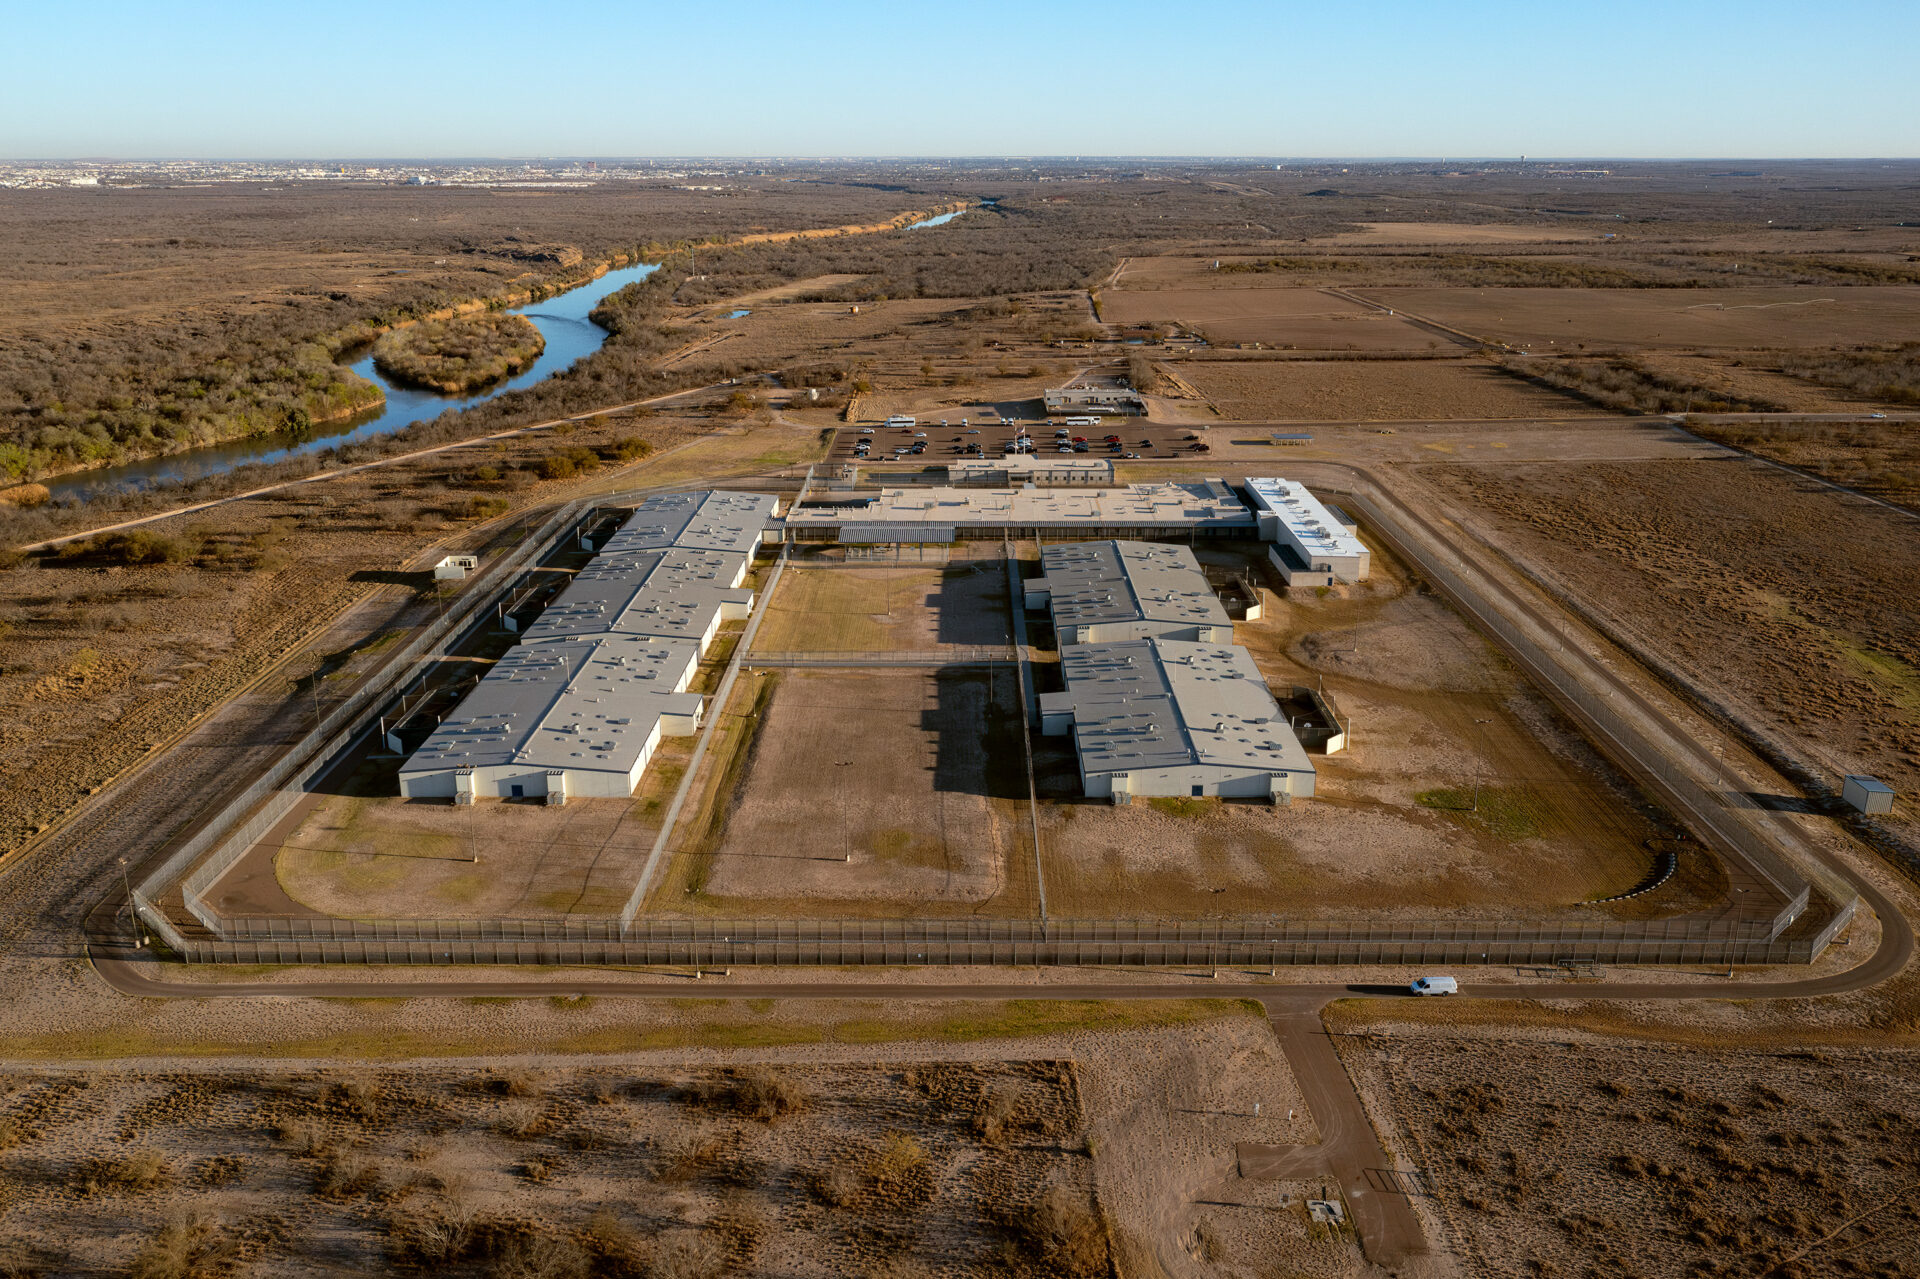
(567, 717)
(672, 594)
(1099, 592)
(1205, 508)
(1015, 469)
(578, 707)
(711, 521)
(1165, 717)
(1072, 400)
(1310, 546)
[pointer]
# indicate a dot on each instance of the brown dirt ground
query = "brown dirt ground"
(1434, 709)
(929, 1169)
(1755, 582)
(885, 609)
(1345, 390)
(1304, 319)
(1548, 1157)
(1748, 378)
(876, 792)
(1739, 318)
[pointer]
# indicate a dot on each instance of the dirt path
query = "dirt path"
(365, 466)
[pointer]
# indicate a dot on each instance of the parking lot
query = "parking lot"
(958, 435)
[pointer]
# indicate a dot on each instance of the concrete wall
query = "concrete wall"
(1213, 781)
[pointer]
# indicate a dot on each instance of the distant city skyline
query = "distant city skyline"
(591, 79)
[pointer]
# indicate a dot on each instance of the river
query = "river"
(561, 319)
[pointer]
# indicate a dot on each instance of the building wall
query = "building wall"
(1115, 632)
(1214, 781)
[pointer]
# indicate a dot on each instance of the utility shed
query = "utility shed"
(1099, 592)
(672, 594)
(708, 521)
(567, 717)
(1310, 543)
(1167, 717)
(1867, 794)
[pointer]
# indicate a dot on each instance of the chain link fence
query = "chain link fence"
(1695, 789)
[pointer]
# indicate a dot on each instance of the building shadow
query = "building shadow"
(976, 735)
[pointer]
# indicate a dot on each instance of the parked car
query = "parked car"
(1434, 986)
(1113, 439)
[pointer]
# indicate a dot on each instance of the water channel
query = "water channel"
(561, 319)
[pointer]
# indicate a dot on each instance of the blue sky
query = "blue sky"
(1329, 78)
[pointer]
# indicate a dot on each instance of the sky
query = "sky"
(1336, 78)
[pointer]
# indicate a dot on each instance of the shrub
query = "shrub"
(135, 1172)
(540, 1256)
(1065, 1233)
(690, 1256)
(184, 1248)
(837, 1187)
(135, 546)
(901, 1156)
(565, 464)
(630, 448)
(348, 1175)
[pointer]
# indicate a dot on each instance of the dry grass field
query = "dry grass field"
(1378, 390)
(1738, 576)
(1737, 318)
(1286, 318)
(1656, 1162)
(862, 609)
(883, 792)
(1395, 823)
(956, 1167)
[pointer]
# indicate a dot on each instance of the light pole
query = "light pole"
(139, 938)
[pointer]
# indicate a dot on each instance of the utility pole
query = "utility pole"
(133, 915)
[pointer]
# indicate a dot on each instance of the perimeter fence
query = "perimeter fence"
(942, 942)
(1712, 802)
(244, 819)
(1706, 798)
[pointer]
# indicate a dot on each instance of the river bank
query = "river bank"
(561, 310)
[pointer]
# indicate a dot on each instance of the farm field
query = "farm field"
(1740, 318)
(883, 792)
(1286, 318)
(1705, 564)
(1463, 792)
(1660, 1161)
(1345, 390)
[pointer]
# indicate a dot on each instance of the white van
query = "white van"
(1081, 421)
(1434, 986)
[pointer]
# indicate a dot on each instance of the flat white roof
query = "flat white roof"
(1146, 704)
(1203, 504)
(1020, 464)
(708, 521)
(673, 594)
(584, 704)
(1311, 525)
(1090, 583)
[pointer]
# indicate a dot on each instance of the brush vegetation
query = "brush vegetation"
(462, 354)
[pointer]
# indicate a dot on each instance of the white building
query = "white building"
(1202, 508)
(711, 521)
(1101, 592)
(1311, 547)
(671, 594)
(569, 717)
(1167, 717)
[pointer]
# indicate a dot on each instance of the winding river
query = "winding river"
(561, 319)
